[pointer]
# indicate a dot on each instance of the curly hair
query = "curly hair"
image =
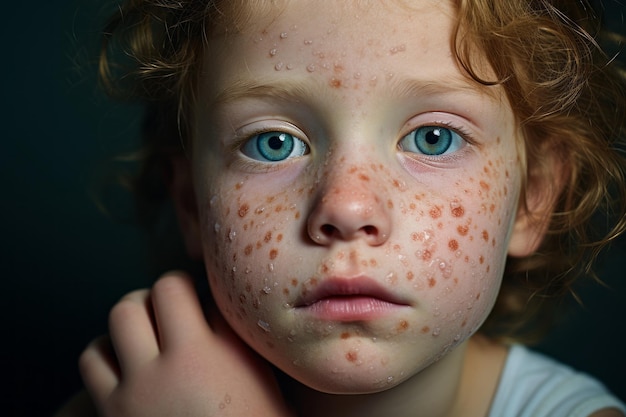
(564, 91)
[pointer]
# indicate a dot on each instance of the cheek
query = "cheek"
(245, 244)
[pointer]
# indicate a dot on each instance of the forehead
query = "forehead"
(348, 49)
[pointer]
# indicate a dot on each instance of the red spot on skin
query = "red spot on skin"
(297, 215)
(486, 170)
(248, 250)
(396, 183)
(286, 291)
(335, 82)
(259, 244)
(492, 208)
(432, 282)
(453, 245)
(426, 255)
(481, 259)
(412, 206)
(279, 237)
(484, 185)
(389, 204)
(270, 199)
(268, 237)
(410, 276)
(352, 356)
(414, 237)
(238, 186)
(294, 282)
(273, 254)
(485, 236)
(364, 177)
(458, 211)
(325, 268)
(425, 329)
(243, 210)
(462, 230)
(402, 326)
(435, 212)
(345, 335)
(456, 280)
(373, 262)
(278, 208)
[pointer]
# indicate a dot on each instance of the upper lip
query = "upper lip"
(345, 287)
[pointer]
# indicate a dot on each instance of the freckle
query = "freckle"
(286, 291)
(273, 254)
(248, 250)
(410, 276)
(325, 268)
(238, 186)
(364, 177)
(439, 225)
(458, 211)
(243, 210)
(506, 190)
(396, 248)
(435, 212)
(373, 262)
(259, 244)
(506, 173)
(352, 356)
(279, 237)
(268, 237)
(425, 329)
(486, 169)
(492, 208)
(297, 215)
(466, 259)
(493, 242)
(456, 280)
(453, 245)
(432, 282)
(426, 255)
(248, 287)
(485, 235)
(477, 296)
(484, 185)
(294, 282)
(488, 268)
(335, 83)
(464, 323)
(412, 206)
(345, 335)
(498, 140)
(481, 259)
(389, 204)
(245, 226)
(402, 326)
(278, 208)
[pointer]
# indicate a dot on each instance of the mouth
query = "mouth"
(353, 299)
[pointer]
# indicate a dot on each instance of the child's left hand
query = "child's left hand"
(167, 361)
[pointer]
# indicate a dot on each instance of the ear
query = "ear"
(544, 184)
(181, 192)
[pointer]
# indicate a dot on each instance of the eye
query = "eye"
(432, 141)
(274, 147)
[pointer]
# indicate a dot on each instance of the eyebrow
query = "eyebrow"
(295, 90)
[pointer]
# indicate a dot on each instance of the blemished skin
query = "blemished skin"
(355, 197)
(353, 261)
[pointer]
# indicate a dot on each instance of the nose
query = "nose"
(349, 208)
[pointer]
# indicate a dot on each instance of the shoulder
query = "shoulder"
(534, 385)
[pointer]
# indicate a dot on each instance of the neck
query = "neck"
(432, 392)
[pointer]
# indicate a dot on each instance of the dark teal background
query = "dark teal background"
(65, 262)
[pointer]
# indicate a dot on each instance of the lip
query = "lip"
(350, 299)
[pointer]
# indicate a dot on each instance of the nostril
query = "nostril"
(370, 230)
(328, 229)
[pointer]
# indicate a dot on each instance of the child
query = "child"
(382, 193)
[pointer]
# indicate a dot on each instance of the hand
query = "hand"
(167, 361)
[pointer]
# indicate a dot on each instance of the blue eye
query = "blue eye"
(274, 147)
(431, 140)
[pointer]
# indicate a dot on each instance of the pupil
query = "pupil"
(275, 142)
(433, 137)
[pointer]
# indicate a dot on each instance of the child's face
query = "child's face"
(375, 239)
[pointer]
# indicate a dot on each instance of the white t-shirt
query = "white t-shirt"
(533, 385)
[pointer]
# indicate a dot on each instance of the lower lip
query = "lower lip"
(350, 308)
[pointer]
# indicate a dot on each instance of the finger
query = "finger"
(177, 311)
(99, 369)
(133, 331)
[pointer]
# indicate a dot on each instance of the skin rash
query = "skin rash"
(358, 202)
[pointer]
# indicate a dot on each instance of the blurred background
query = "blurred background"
(67, 261)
